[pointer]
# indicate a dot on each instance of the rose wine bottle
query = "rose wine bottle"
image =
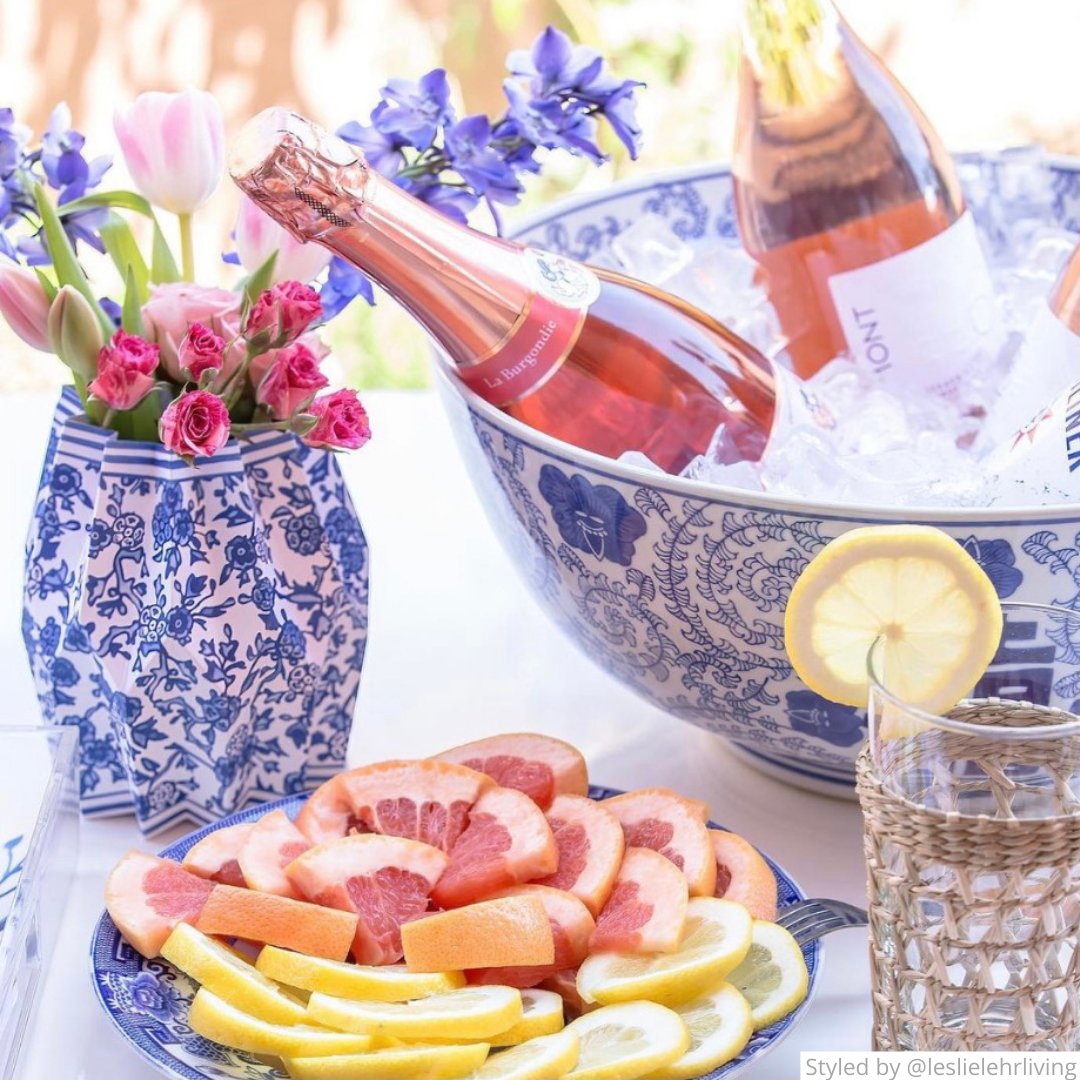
(851, 207)
(586, 355)
(1046, 363)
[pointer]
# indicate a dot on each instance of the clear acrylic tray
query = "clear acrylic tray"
(39, 842)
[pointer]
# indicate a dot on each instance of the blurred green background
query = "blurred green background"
(988, 72)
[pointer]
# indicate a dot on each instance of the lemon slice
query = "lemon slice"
(393, 982)
(623, 1042)
(397, 1063)
(472, 1013)
(773, 977)
(720, 1027)
(217, 1020)
(714, 942)
(547, 1057)
(911, 585)
(541, 1014)
(232, 978)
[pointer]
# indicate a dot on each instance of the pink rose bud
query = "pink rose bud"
(258, 236)
(292, 380)
(341, 422)
(172, 309)
(195, 424)
(174, 146)
(24, 305)
(201, 350)
(125, 371)
(282, 314)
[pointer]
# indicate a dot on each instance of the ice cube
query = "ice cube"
(650, 250)
(639, 461)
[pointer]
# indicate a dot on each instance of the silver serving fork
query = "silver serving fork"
(809, 920)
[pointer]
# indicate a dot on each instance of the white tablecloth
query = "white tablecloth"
(458, 649)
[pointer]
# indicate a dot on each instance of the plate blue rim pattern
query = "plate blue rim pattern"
(147, 999)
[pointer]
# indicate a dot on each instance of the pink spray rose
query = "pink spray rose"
(24, 305)
(195, 424)
(341, 422)
(174, 306)
(262, 363)
(282, 314)
(293, 379)
(125, 371)
(201, 350)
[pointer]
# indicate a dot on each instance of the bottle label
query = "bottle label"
(544, 334)
(1040, 463)
(919, 319)
(1044, 365)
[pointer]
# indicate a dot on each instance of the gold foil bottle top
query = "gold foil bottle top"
(309, 181)
(793, 48)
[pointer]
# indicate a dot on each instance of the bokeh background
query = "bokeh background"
(989, 73)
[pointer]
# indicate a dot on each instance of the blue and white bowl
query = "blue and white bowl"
(678, 587)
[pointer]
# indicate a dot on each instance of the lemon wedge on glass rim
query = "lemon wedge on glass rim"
(913, 589)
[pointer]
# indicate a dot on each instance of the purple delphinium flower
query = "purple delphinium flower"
(415, 111)
(343, 284)
(383, 151)
(557, 94)
(59, 164)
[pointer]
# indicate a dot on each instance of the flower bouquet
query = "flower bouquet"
(196, 575)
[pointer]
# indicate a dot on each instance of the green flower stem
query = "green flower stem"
(264, 425)
(187, 248)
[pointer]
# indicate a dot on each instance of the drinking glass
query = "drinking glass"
(972, 840)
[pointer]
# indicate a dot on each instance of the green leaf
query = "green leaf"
(145, 416)
(254, 285)
(120, 243)
(68, 270)
(47, 284)
(162, 263)
(131, 315)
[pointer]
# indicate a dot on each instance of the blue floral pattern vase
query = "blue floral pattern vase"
(203, 627)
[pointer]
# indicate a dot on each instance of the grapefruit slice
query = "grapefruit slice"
(647, 908)
(148, 897)
(538, 765)
(507, 842)
(327, 814)
(420, 800)
(571, 927)
(512, 931)
(660, 819)
(216, 856)
(386, 880)
(743, 875)
(276, 920)
(590, 842)
(273, 843)
(564, 983)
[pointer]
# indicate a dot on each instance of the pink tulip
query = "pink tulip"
(125, 371)
(24, 305)
(341, 422)
(174, 146)
(292, 380)
(195, 424)
(258, 236)
(282, 314)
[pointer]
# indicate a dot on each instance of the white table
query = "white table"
(458, 649)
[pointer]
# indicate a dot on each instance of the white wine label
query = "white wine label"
(920, 318)
(1046, 363)
(1040, 463)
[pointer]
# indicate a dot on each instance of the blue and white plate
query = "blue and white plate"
(148, 1000)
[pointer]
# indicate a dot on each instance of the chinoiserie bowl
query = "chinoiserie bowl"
(684, 600)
